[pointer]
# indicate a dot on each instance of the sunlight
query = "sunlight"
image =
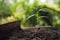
(10, 1)
(43, 1)
(18, 0)
(31, 1)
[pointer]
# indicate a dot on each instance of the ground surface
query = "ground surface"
(12, 31)
(35, 34)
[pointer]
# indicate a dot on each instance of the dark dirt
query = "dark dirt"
(35, 34)
(13, 32)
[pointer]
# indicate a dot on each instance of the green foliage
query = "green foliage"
(28, 13)
(58, 3)
(4, 9)
(51, 9)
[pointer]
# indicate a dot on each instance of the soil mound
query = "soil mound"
(36, 34)
(12, 31)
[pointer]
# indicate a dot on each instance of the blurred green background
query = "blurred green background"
(27, 10)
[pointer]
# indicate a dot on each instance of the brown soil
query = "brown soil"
(35, 34)
(47, 33)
